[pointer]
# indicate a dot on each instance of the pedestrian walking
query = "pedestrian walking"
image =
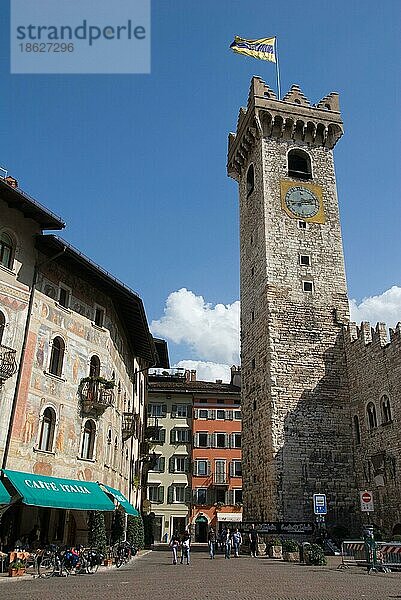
(228, 544)
(185, 547)
(211, 540)
(174, 545)
(237, 541)
(253, 541)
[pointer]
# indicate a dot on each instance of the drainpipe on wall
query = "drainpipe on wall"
(23, 351)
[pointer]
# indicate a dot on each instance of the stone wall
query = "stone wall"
(374, 367)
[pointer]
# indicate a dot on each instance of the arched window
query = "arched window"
(6, 250)
(109, 448)
(299, 164)
(357, 430)
(94, 367)
(88, 440)
(57, 357)
(2, 325)
(372, 418)
(250, 180)
(47, 430)
(386, 409)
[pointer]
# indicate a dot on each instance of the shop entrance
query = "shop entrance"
(201, 529)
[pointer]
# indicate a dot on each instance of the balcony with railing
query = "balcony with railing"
(129, 425)
(96, 394)
(220, 479)
(8, 364)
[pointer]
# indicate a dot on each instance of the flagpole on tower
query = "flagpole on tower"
(278, 73)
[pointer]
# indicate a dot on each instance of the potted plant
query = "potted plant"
(314, 555)
(290, 551)
(275, 548)
(16, 568)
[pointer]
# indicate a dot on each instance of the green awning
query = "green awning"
(121, 499)
(4, 495)
(54, 492)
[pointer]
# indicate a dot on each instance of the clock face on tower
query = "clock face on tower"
(302, 202)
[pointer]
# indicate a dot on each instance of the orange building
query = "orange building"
(216, 457)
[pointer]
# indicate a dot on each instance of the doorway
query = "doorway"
(179, 524)
(201, 527)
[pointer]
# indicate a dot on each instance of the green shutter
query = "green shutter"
(161, 493)
(186, 465)
(229, 415)
(162, 463)
(188, 495)
(171, 464)
(170, 494)
(172, 436)
(162, 436)
(164, 410)
(173, 411)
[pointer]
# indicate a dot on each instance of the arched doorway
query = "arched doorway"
(201, 529)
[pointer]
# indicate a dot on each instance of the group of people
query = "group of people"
(183, 542)
(227, 541)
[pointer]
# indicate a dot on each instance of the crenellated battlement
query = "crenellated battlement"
(366, 335)
(293, 118)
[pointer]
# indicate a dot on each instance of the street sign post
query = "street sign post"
(366, 501)
(319, 504)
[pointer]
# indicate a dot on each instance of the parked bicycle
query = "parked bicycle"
(123, 552)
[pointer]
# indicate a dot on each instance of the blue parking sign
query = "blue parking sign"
(319, 504)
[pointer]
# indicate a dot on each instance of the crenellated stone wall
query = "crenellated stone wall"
(374, 368)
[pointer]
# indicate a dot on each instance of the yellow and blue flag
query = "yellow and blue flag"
(263, 48)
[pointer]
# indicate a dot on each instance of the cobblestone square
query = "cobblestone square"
(153, 577)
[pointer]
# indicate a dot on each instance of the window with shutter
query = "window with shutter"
(229, 415)
(230, 497)
(162, 463)
(220, 414)
(203, 440)
(161, 494)
(172, 436)
(171, 464)
(173, 411)
(211, 414)
(164, 410)
(186, 465)
(162, 436)
(170, 494)
(188, 493)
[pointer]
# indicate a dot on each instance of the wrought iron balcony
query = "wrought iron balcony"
(220, 479)
(8, 364)
(96, 394)
(128, 425)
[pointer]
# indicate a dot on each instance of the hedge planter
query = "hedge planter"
(291, 556)
(276, 552)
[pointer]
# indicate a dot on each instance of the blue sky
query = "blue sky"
(135, 164)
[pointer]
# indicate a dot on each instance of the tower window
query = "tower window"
(386, 409)
(250, 180)
(253, 363)
(253, 271)
(299, 164)
(304, 260)
(371, 414)
(307, 286)
(302, 225)
(252, 316)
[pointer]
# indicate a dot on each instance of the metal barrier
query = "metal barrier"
(387, 556)
(353, 554)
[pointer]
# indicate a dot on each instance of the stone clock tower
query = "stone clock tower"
(296, 432)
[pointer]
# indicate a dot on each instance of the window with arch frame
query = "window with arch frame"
(299, 164)
(357, 429)
(250, 180)
(7, 250)
(47, 429)
(57, 356)
(371, 414)
(88, 440)
(94, 366)
(385, 409)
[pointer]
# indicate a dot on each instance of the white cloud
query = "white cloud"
(385, 308)
(212, 332)
(207, 371)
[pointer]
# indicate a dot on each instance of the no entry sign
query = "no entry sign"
(366, 501)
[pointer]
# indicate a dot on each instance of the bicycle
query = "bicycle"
(123, 552)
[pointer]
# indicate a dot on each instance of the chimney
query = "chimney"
(11, 181)
(193, 375)
(219, 381)
(236, 376)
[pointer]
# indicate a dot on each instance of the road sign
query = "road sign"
(319, 504)
(366, 501)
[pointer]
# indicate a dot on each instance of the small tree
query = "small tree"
(118, 526)
(135, 532)
(97, 531)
